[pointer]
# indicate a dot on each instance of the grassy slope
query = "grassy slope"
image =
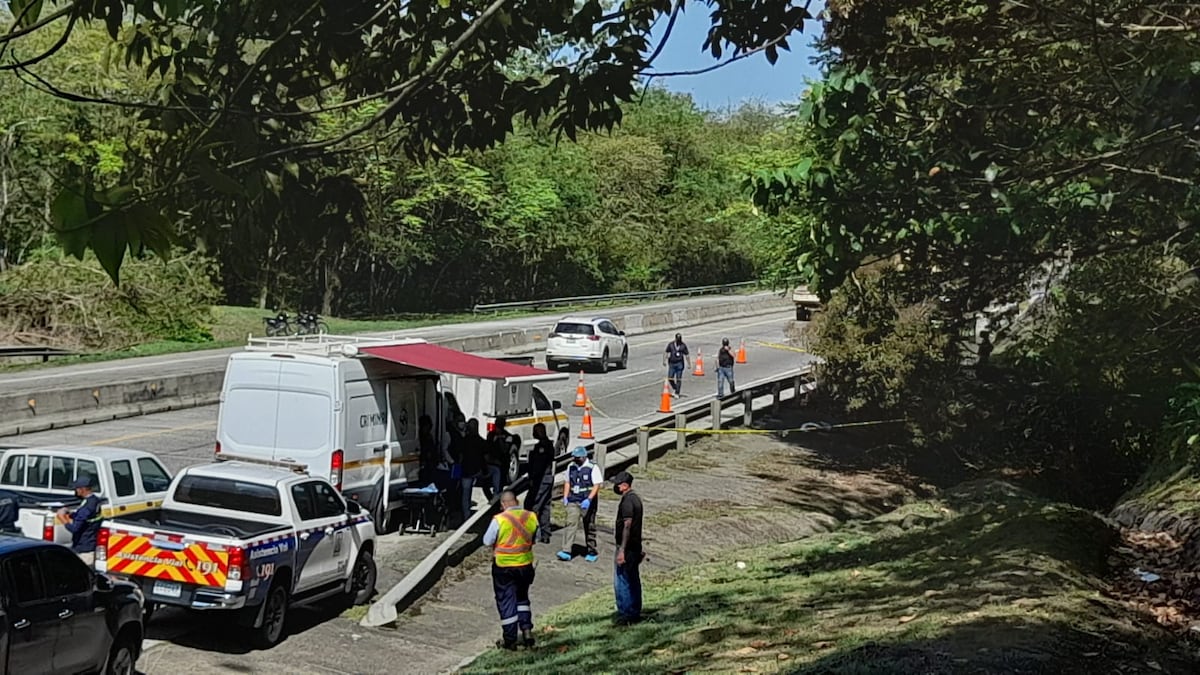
(985, 580)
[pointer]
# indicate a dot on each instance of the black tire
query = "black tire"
(380, 517)
(122, 658)
(625, 358)
(363, 578)
(551, 364)
(271, 632)
(560, 443)
(604, 361)
(322, 328)
(514, 468)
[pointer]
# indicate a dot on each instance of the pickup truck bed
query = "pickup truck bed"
(191, 523)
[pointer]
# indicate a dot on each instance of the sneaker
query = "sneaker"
(563, 555)
(592, 557)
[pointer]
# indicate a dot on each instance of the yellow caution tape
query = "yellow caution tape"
(776, 345)
(808, 428)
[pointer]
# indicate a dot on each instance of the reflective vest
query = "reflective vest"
(514, 542)
(579, 476)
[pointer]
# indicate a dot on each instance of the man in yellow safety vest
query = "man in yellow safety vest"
(510, 536)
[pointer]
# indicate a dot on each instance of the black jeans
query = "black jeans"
(537, 501)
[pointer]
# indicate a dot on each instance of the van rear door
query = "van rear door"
(249, 411)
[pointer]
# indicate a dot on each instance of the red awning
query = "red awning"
(438, 359)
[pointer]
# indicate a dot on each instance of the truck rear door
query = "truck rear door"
(171, 560)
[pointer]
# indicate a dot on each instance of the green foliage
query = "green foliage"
(52, 299)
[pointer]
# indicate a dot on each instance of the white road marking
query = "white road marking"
(626, 375)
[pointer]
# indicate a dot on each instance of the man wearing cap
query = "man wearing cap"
(510, 536)
(675, 358)
(627, 576)
(579, 496)
(84, 522)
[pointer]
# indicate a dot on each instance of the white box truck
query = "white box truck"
(347, 407)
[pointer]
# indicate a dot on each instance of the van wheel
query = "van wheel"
(362, 578)
(514, 468)
(560, 444)
(274, 615)
(381, 517)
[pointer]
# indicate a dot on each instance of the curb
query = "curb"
(30, 411)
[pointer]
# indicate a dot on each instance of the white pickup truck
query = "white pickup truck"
(125, 480)
(249, 537)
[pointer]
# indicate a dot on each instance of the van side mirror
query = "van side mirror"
(556, 405)
(353, 508)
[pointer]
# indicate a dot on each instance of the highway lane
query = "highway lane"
(123, 370)
(620, 397)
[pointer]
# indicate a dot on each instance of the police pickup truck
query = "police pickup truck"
(245, 537)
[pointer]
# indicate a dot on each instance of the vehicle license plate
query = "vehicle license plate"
(167, 589)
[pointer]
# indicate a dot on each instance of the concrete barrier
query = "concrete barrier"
(29, 411)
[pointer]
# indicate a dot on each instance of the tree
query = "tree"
(241, 80)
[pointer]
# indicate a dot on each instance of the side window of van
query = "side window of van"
(39, 472)
(123, 481)
(14, 471)
(62, 472)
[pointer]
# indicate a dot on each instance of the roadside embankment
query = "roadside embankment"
(31, 402)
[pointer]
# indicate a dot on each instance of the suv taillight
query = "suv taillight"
(237, 565)
(594, 338)
(335, 469)
(217, 449)
(48, 529)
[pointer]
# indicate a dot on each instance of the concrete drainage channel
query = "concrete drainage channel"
(34, 410)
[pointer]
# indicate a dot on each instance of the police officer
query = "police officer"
(510, 536)
(10, 505)
(579, 496)
(541, 480)
(84, 522)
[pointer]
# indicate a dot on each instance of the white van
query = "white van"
(346, 408)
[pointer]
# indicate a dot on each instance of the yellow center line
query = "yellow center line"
(776, 345)
(157, 432)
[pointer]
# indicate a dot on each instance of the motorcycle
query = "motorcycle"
(308, 323)
(278, 325)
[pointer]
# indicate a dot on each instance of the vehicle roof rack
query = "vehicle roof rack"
(325, 344)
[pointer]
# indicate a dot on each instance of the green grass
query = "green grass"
(988, 579)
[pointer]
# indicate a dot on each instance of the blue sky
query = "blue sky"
(752, 78)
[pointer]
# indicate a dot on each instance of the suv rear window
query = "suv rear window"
(235, 495)
(574, 329)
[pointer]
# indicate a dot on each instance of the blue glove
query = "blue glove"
(565, 500)
(585, 504)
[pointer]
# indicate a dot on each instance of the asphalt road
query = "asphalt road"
(619, 398)
(214, 359)
(197, 641)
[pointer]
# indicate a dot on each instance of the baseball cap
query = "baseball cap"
(579, 451)
(82, 482)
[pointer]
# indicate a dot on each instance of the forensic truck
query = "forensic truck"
(348, 407)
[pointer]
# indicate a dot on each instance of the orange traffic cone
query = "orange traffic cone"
(699, 371)
(665, 406)
(580, 393)
(741, 355)
(586, 431)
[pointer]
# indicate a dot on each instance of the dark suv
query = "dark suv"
(61, 617)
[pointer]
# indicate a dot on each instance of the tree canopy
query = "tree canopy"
(240, 85)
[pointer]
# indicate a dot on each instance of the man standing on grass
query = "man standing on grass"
(579, 496)
(627, 575)
(510, 536)
(675, 358)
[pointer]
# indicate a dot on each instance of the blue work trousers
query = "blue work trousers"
(724, 374)
(675, 375)
(511, 585)
(627, 587)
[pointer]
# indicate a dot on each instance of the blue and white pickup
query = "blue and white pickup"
(247, 537)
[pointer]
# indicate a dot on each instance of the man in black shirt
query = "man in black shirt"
(541, 481)
(675, 358)
(627, 578)
(725, 361)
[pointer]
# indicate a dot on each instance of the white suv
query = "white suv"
(593, 341)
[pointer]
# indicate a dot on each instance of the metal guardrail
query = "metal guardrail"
(615, 297)
(28, 351)
(658, 433)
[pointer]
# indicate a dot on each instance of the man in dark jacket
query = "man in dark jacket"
(500, 446)
(541, 481)
(474, 451)
(84, 522)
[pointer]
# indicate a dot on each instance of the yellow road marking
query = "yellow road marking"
(146, 434)
(775, 345)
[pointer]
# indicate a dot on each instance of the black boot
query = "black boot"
(527, 639)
